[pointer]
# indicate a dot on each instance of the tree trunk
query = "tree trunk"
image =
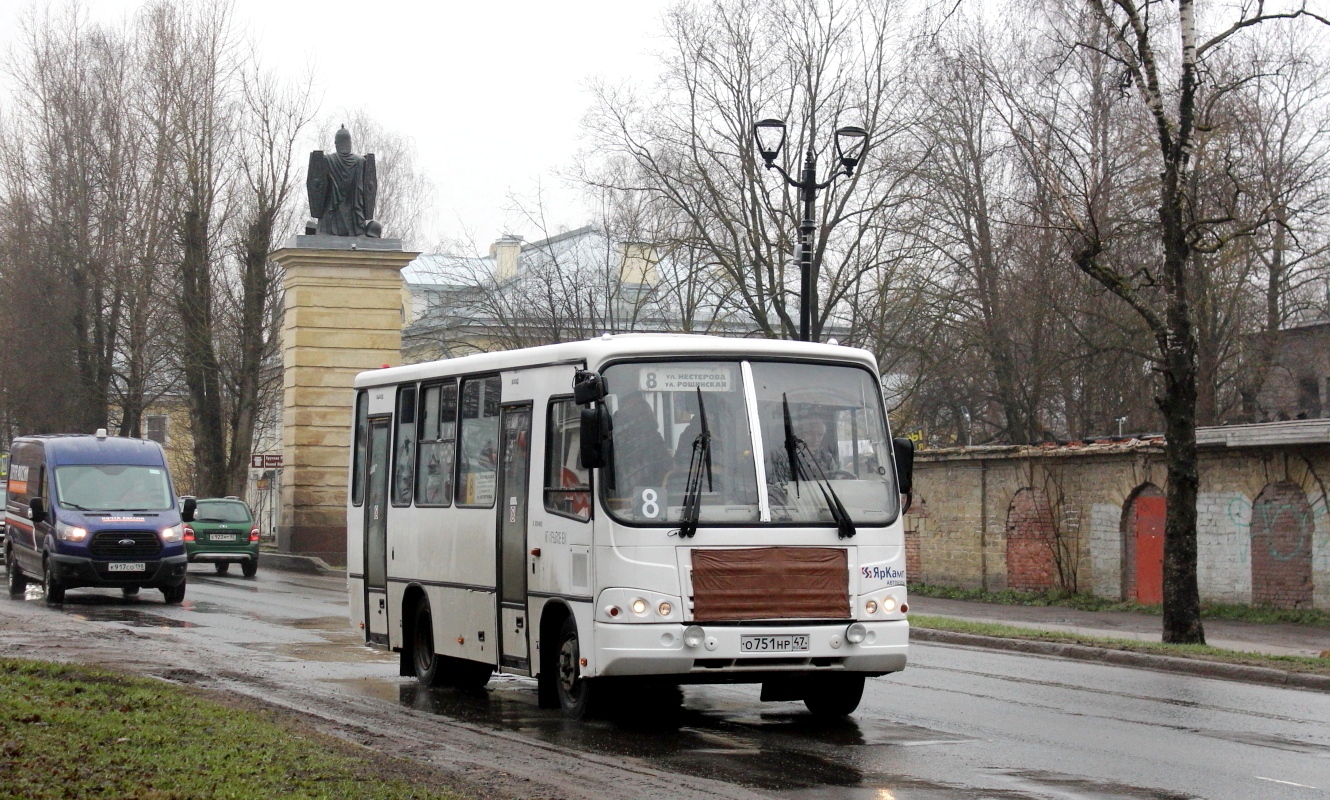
(203, 377)
(1182, 597)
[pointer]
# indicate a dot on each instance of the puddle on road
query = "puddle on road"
(131, 616)
(709, 736)
(1275, 742)
(326, 652)
(1073, 787)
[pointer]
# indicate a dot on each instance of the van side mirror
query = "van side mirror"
(37, 510)
(595, 436)
(188, 509)
(904, 452)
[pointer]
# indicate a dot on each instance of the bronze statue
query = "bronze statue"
(342, 190)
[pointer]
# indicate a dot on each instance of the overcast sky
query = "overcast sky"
(491, 92)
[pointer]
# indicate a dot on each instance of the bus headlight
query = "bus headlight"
(888, 604)
(70, 533)
(639, 606)
(665, 609)
(693, 636)
(871, 607)
(855, 633)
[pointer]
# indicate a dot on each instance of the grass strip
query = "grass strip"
(1088, 602)
(1313, 666)
(74, 731)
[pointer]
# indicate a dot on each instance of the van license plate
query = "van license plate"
(774, 644)
(222, 537)
(126, 566)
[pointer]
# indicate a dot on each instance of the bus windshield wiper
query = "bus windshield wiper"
(800, 457)
(692, 498)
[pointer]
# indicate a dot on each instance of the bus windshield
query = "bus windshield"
(105, 487)
(836, 432)
(654, 410)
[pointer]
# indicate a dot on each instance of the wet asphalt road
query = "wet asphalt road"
(958, 723)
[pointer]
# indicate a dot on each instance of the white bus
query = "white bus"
(662, 509)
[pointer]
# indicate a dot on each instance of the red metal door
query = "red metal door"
(1150, 550)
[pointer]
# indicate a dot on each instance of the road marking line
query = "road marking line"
(1286, 783)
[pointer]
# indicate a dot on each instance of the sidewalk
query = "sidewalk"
(1253, 637)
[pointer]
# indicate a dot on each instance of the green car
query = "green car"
(224, 532)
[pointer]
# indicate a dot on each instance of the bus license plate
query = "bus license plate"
(774, 644)
(126, 566)
(223, 537)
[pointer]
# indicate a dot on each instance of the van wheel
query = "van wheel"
(55, 590)
(17, 580)
(129, 591)
(428, 665)
(174, 594)
(577, 695)
(221, 567)
(250, 568)
(835, 695)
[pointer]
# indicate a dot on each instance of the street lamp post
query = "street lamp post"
(851, 144)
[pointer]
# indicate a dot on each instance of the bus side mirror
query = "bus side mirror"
(37, 510)
(188, 510)
(588, 387)
(595, 435)
(904, 451)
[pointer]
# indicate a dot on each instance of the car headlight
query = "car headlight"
(70, 533)
(173, 534)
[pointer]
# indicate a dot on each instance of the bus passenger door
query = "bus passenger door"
(376, 533)
(512, 507)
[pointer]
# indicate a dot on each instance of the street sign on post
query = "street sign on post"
(265, 461)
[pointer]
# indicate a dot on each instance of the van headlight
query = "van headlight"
(70, 533)
(173, 534)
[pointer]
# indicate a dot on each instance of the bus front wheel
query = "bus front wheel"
(835, 695)
(576, 694)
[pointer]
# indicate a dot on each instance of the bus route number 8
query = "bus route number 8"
(649, 502)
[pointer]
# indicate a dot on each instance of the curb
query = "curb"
(287, 562)
(1128, 658)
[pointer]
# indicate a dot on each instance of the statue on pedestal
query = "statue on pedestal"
(342, 190)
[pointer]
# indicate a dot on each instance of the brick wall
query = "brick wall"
(977, 532)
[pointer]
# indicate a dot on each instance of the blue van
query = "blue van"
(93, 511)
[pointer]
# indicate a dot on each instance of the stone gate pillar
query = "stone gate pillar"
(343, 315)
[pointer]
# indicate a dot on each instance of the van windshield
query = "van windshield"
(113, 487)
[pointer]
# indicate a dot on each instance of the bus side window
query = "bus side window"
(437, 429)
(478, 459)
(404, 462)
(358, 467)
(567, 484)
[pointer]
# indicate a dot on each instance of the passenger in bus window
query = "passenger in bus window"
(640, 455)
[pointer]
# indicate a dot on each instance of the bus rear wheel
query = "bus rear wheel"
(834, 695)
(428, 664)
(577, 695)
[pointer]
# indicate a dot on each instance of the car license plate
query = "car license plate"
(774, 644)
(126, 566)
(223, 537)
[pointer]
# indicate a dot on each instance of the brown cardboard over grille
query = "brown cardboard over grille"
(770, 583)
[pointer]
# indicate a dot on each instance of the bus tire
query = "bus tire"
(18, 582)
(577, 695)
(428, 665)
(834, 695)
